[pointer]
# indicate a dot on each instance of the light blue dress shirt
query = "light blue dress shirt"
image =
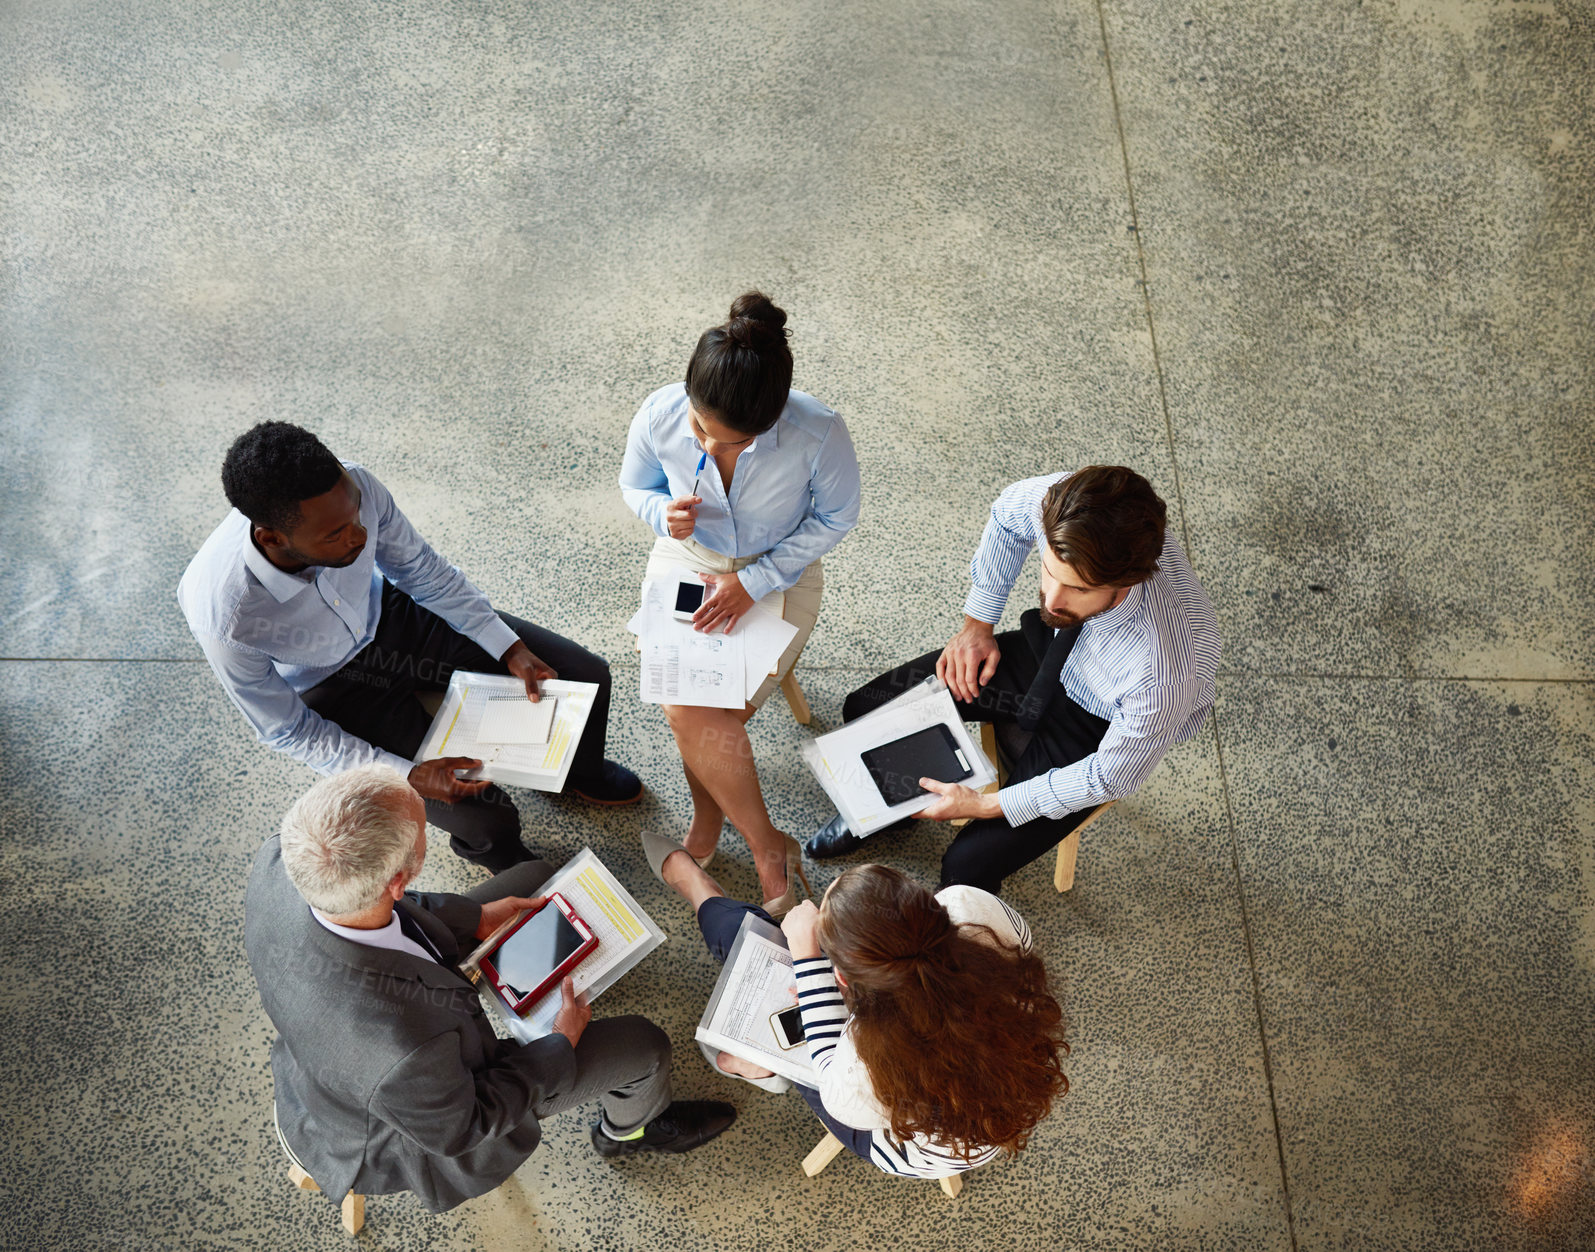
(794, 492)
(270, 635)
(1147, 666)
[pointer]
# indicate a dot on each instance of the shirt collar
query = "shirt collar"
(282, 585)
(1123, 611)
(771, 436)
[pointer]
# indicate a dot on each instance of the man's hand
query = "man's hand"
(725, 604)
(969, 660)
(496, 912)
(524, 664)
(435, 779)
(574, 1013)
(957, 801)
(681, 516)
(801, 928)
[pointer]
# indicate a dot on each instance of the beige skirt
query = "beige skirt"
(802, 599)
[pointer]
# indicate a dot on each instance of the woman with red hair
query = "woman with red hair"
(929, 1019)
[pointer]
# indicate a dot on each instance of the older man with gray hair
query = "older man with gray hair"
(388, 1076)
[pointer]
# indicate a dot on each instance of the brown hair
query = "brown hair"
(741, 372)
(1107, 522)
(960, 1033)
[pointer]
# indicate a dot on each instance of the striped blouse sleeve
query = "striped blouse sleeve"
(843, 1082)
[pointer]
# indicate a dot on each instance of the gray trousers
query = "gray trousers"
(623, 1062)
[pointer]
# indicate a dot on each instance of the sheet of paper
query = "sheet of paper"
(456, 730)
(512, 718)
(762, 634)
(765, 636)
(755, 983)
(682, 666)
(625, 935)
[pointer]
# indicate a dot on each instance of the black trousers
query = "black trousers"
(987, 850)
(415, 650)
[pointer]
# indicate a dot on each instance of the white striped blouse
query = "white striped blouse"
(844, 1084)
(1146, 666)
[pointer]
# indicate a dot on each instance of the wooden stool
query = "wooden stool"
(825, 1152)
(1069, 848)
(353, 1209)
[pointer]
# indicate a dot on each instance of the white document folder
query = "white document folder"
(755, 982)
(455, 731)
(836, 758)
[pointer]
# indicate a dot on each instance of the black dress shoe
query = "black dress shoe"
(833, 839)
(683, 1126)
(615, 784)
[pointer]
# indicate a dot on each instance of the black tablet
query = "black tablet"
(898, 766)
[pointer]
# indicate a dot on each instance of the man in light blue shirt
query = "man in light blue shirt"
(1114, 667)
(324, 613)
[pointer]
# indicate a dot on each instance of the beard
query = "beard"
(1057, 621)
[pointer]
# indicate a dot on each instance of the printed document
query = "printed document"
(625, 935)
(473, 711)
(755, 983)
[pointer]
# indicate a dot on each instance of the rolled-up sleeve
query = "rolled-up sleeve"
(411, 565)
(1011, 532)
(835, 491)
(1149, 721)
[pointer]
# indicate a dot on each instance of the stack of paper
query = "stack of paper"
(716, 670)
(755, 984)
(488, 717)
(836, 758)
(625, 935)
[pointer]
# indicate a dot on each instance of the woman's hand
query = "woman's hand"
(681, 516)
(802, 930)
(724, 606)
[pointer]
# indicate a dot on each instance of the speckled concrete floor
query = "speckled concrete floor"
(1321, 271)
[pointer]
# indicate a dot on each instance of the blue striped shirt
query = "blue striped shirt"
(1146, 666)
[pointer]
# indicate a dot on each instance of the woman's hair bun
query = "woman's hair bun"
(756, 322)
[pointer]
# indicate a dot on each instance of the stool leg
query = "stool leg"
(824, 1153)
(301, 1179)
(1063, 870)
(952, 1186)
(795, 698)
(354, 1212)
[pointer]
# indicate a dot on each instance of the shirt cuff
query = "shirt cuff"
(396, 762)
(757, 582)
(496, 638)
(984, 606)
(1022, 802)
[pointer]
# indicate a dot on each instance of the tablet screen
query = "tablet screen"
(534, 951)
(897, 767)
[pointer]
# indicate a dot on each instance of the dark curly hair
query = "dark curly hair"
(1107, 522)
(272, 467)
(961, 1035)
(740, 372)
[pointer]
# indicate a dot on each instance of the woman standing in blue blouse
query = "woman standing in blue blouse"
(748, 483)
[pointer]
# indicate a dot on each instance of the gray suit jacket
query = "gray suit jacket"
(388, 1076)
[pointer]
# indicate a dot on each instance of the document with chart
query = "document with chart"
(489, 718)
(716, 670)
(756, 987)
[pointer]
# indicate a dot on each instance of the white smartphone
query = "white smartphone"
(689, 599)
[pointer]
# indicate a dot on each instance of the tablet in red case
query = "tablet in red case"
(537, 952)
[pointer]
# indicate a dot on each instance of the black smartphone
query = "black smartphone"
(689, 599)
(788, 1026)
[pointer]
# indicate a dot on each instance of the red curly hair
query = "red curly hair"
(961, 1033)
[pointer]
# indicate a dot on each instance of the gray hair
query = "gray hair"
(345, 839)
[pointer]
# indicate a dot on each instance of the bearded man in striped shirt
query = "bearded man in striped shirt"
(1112, 669)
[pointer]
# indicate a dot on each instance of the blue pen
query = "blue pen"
(703, 459)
